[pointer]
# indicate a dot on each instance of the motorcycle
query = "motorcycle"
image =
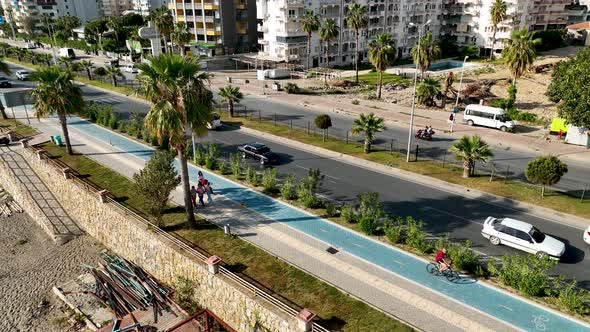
(4, 140)
(422, 134)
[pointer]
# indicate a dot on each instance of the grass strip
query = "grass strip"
(20, 129)
(337, 311)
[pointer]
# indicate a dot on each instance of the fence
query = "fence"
(173, 240)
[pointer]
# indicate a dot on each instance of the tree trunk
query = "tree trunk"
(88, 73)
(380, 84)
(327, 62)
(543, 191)
(64, 128)
(466, 168)
(114, 81)
(472, 172)
(367, 144)
(324, 136)
(3, 111)
(308, 48)
(188, 204)
(356, 56)
(493, 42)
(230, 107)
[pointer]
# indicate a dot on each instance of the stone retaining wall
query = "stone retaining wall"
(134, 241)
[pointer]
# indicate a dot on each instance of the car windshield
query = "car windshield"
(537, 235)
(504, 118)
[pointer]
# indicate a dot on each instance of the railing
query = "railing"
(256, 291)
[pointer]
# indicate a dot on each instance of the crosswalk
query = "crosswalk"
(110, 100)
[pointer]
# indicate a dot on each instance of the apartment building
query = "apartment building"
(144, 7)
(85, 10)
(465, 22)
(218, 27)
(107, 8)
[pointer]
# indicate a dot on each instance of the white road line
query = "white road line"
(400, 263)
(326, 175)
(323, 230)
(452, 215)
(358, 245)
(505, 307)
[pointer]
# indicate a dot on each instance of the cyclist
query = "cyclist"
(441, 260)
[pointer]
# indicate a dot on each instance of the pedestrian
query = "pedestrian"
(200, 177)
(194, 196)
(208, 191)
(201, 193)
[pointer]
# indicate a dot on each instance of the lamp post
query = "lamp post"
(459, 91)
(410, 131)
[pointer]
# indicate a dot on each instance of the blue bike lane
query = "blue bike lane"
(499, 304)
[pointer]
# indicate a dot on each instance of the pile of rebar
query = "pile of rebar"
(126, 287)
(7, 205)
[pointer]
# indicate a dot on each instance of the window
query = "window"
(537, 235)
(523, 236)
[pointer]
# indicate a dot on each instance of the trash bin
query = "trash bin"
(58, 140)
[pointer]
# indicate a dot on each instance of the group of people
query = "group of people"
(426, 131)
(203, 188)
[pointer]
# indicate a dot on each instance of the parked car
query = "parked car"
(131, 69)
(523, 236)
(23, 75)
(587, 235)
(67, 53)
(259, 152)
(30, 46)
(111, 63)
(215, 122)
(4, 83)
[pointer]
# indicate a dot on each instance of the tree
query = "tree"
(114, 24)
(545, 170)
(56, 93)
(108, 45)
(569, 87)
(43, 58)
(180, 100)
(94, 30)
(328, 32)
(428, 90)
(368, 125)
(180, 36)
(323, 121)
(519, 52)
(6, 70)
(356, 18)
(470, 149)
(231, 95)
(87, 66)
(310, 22)
(28, 24)
(156, 181)
(429, 52)
(66, 62)
(100, 72)
(447, 87)
(164, 22)
(67, 24)
(114, 72)
(497, 14)
(381, 54)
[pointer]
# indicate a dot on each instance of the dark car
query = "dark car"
(4, 82)
(259, 152)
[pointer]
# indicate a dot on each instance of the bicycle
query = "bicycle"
(448, 272)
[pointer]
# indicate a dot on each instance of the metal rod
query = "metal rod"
(583, 193)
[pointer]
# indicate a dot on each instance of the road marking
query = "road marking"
(505, 307)
(323, 230)
(358, 245)
(452, 215)
(326, 175)
(400, 263)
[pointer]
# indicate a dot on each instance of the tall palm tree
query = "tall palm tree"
(6, 70)
(519, 52)
(113, 73)
(470, 149)
(87, 65)
(429, 52)
(382, 55)
(180, 36)
(176, 86)
(498, 13)
(310, 22)
(164, 22)
(356, 18)
(328, 32)
(369, 125)
(114, 24)
(56, 93)
(231, 95)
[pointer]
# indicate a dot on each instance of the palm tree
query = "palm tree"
(43, 58)
(356, 18)
(470, 149)
(180, 36)
(497, 14)
(231, 95)
(113, 72)
(66, 62)
(114, 24)
(369, 125)
(87, 66)
(164, 22)
(310, 22)
(6, 70)
(328, 32)
(180, 99)
(428, 90)
(519, 52)
(429, 52)
(56, 94)
(381, 54)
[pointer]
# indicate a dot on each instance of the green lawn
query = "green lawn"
(373, 78)
(336, 310)
(19, 128)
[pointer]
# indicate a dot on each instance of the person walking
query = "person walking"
(200, 177)
(208, 191)
(201, 193)
(194, 196)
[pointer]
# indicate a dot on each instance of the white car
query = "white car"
(521, 235)
(30, 46)
(22, 75)
(587, 235)
(131, 69)
(215, 122)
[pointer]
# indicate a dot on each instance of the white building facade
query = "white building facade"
(85, 10)
(144, 7)
(108, 8)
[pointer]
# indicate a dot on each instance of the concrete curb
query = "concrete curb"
(537, 211)
(89, 324)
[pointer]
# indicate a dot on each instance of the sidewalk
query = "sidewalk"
(380, 275)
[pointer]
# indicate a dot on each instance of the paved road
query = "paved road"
(442, 212)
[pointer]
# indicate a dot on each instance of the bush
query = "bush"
(288, 188)
(331, 209)
(347, 213)
(415, 236)
(210, 163)
(269, 180)
(236, 163)
(211, 153)
(200, 155)
(306, 193)
(224, 167)
(369, 212)
(527, 273)
(185, 289)
(113, 122)
(355, 102)
(367, 225)
(394, 230)
(464, 258)
(292, 88)
(573, 299)
(371, 96)
(251, 176)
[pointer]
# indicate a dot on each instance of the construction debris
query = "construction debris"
(7, 205)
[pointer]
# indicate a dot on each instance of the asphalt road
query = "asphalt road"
(442, 212)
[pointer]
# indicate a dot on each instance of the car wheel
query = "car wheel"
(541, 254)
(469, 122)
(262, 162)
(244, 155)
(503, 128)
(494, 240)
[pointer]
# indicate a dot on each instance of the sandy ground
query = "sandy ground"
(32, 264)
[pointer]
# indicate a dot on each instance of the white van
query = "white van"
(67, 53)
(487, 116)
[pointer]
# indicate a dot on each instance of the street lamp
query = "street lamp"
(459, 91)
(410, 132)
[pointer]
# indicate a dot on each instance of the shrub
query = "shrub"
(113, 122)
(269, 180)
(210, 163)
(236, 164)
(251, 176)
(355, 102)
(394, 229)
(372, 96)
(292, 88)
(200, 155)
(527, 273)
(347, 213)
(224, 167)
(416, 237)
(331, 209)
(211, 154)
(367, 225)
(185, 289)
(573, 299)
(464, 258)
(306, 193)
(369, 212)
(287, 188)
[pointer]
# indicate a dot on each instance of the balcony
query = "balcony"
(292, 57)
(261, 28)
(291, 4)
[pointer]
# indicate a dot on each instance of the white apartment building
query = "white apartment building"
(144, 7)
(85, 10)
(107, 8)
(465, 22)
